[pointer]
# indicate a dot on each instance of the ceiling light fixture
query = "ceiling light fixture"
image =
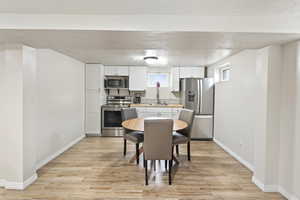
(151, 60)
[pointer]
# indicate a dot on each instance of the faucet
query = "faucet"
(157, 93)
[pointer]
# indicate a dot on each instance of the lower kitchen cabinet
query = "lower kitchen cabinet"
(145, 112)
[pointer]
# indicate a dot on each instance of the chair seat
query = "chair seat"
(179, 138)
(135, 136)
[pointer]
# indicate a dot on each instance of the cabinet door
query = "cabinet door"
(93, 98)
(137, 78)
(185, 72)
(197, 72)
(191, 72)
(116, 71)
(175, 76)
(122, 71)
(109, 71)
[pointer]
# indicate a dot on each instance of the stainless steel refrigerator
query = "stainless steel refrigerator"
(198, 94)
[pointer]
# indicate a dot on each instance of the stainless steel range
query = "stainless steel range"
(111, 124)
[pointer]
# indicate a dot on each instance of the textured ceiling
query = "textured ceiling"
(154, 7)
(128, 48)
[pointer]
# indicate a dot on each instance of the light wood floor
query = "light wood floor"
(95, 169)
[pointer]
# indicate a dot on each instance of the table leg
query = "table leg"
(133, 158)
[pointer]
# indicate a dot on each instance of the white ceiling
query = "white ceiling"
(128, 48)
(154, 7)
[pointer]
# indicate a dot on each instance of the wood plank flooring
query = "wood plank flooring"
(95, 169)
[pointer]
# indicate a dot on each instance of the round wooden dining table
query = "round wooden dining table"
(137, 124)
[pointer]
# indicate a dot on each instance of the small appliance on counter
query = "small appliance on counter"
(111, 124)
(137, 99)
(198, 94)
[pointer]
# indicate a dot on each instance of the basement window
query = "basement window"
(224, 72)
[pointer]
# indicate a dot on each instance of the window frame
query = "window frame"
(167, 81)
(221, 70)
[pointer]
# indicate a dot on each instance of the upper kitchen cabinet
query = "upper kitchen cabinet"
(191, 72)
(175, 76)
(137, 78)
(116, 71)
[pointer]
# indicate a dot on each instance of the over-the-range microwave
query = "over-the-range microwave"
(116, 82)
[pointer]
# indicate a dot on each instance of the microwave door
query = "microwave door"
(115, 83)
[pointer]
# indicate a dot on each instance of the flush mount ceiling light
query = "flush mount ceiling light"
(151, 60)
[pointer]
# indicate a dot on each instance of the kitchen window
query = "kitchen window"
(162, 78)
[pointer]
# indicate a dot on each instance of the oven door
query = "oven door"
(112, 122)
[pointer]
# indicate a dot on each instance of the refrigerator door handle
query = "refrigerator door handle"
(201, 96)
(198, 97)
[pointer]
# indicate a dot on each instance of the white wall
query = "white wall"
(266, 137)
(60, 102)
(29, 111)
(11, 114)
(235, 111)
(259, 109)
(17, 116)
(289, 164)
(42, 110)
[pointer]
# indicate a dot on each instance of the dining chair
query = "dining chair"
(184, 136)
(158, 143)
(136, 137)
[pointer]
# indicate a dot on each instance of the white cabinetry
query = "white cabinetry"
(137, 78)
(116, 71)
(171, 113)
(94, 97)
(175, 76)
(191, 72)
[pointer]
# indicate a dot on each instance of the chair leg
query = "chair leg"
(137, 151)
(170, 172)
(177, 149)
(189, 151)
(166, 165)
(154, 165)
(146, 171)
(125, 146)
(144, 160)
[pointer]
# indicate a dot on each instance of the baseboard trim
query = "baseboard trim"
(228, 150)
(263, 187)
(294, 198)
(20, 185)
(51, 157)
(2, 183)
(286, 194)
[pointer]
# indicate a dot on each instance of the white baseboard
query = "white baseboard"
(228, 150)
(286, 194)
(20, 185)
(51, 157)
(2, 183)
(263, 187)
(294, 198)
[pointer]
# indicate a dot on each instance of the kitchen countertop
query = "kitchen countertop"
(157, 105)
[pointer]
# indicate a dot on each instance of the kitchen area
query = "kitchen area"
(155, 91)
